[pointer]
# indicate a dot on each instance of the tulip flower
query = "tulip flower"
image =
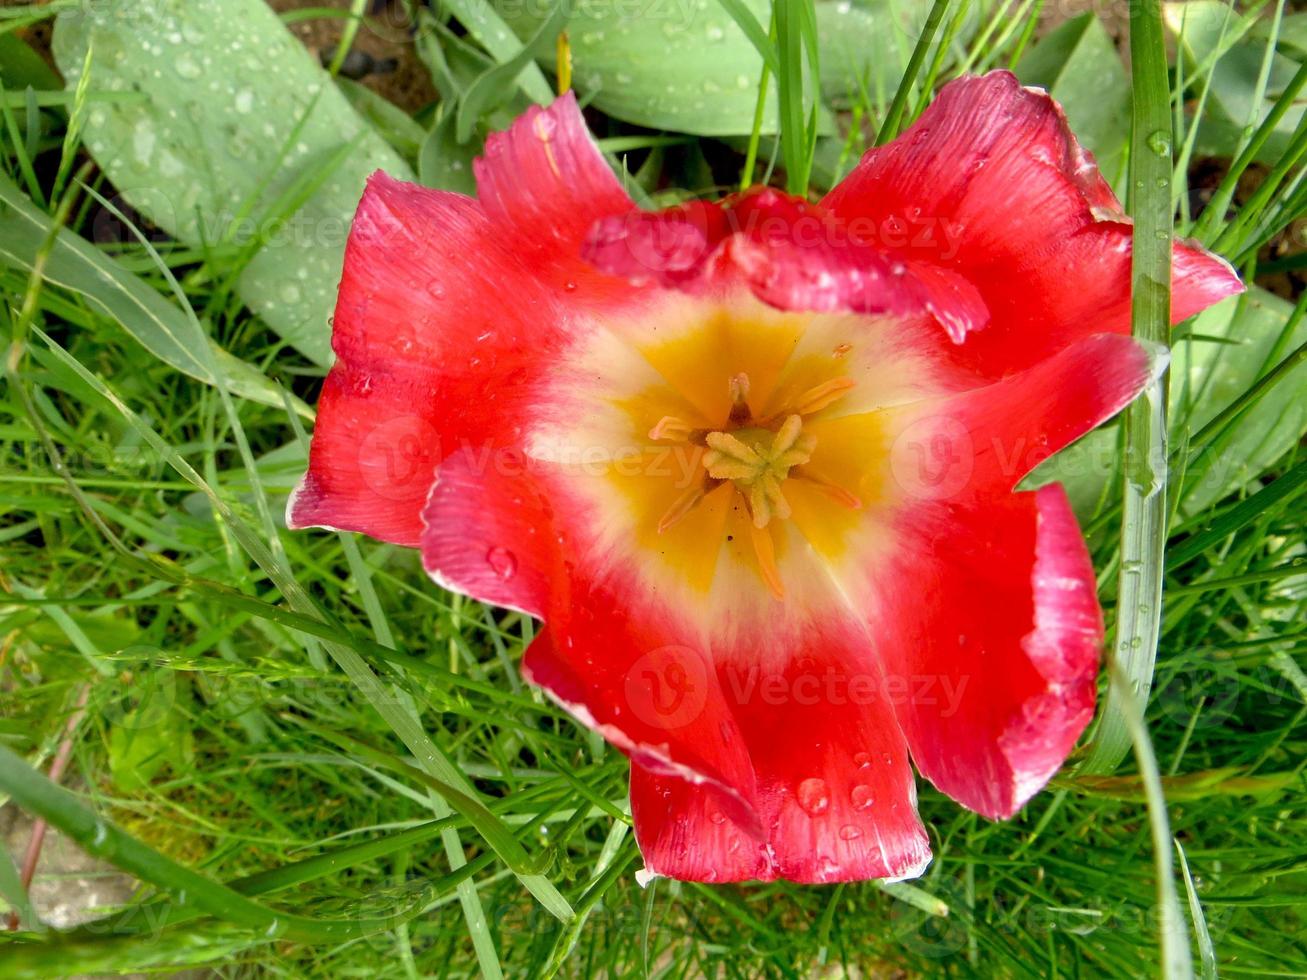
(753, 463)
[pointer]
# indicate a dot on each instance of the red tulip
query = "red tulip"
(753, 462)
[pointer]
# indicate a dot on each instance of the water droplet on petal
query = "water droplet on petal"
(502, 562)
(850, 832)
(861, 797)
(862, 760)
(813, 796)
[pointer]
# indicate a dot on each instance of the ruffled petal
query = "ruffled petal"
(1000, 629)
(834, 786)
(829, 785)
(991, 184)
(487, 530)
(544, 183)
(791, 254)
(983, 441)
(438, 328)
(634, 670)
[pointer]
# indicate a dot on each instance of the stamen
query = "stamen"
(758, 473)
(739, 391)
(671, 428)
(832, 490)
(728, 458)
(827, 393)
(685, 503)
(765, 551)
(767, 501)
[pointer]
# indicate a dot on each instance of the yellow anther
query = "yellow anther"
(765, 551)
(685, 503)
(817, 398)
(671, 428)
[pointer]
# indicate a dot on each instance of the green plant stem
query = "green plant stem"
(1143, 516)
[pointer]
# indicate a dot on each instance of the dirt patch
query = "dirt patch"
(70, 887)
(382, 56)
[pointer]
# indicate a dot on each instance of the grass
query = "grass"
(317, 763)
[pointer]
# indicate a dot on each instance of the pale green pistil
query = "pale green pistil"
(758, 461)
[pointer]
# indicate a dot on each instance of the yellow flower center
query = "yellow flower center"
(733, 453)
(757, 456)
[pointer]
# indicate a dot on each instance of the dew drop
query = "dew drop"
(545, 125)
(1160, 143)
(244, 101)
(862, 760)
(502, 562)
(187, 66)
(717, 817)
(850, 832)
(861, 798)
(813, 796)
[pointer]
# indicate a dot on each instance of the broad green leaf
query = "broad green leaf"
(153, 322)
(444, 162)
(1079, 66)
(392, 123)
(1218, 373)
(865, 46)
(151, 735)
(1202, 28)
(1230, 347)
(674, 64)
(226, 88)
(20, 66)
(1293, 34)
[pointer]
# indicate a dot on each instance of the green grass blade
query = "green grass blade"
(1143, 533)
(894, 117)
(61, 809)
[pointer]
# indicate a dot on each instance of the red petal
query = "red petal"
(792, 255)
(823, 787)
(684, 832)
(834, 789)
(1003, 624)
(544, 183)
(437, 330)
(488, 532)
(634, 671)
(991, 183)
(985, 440)
(834, 783)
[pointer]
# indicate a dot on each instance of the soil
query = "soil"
(382, 57)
